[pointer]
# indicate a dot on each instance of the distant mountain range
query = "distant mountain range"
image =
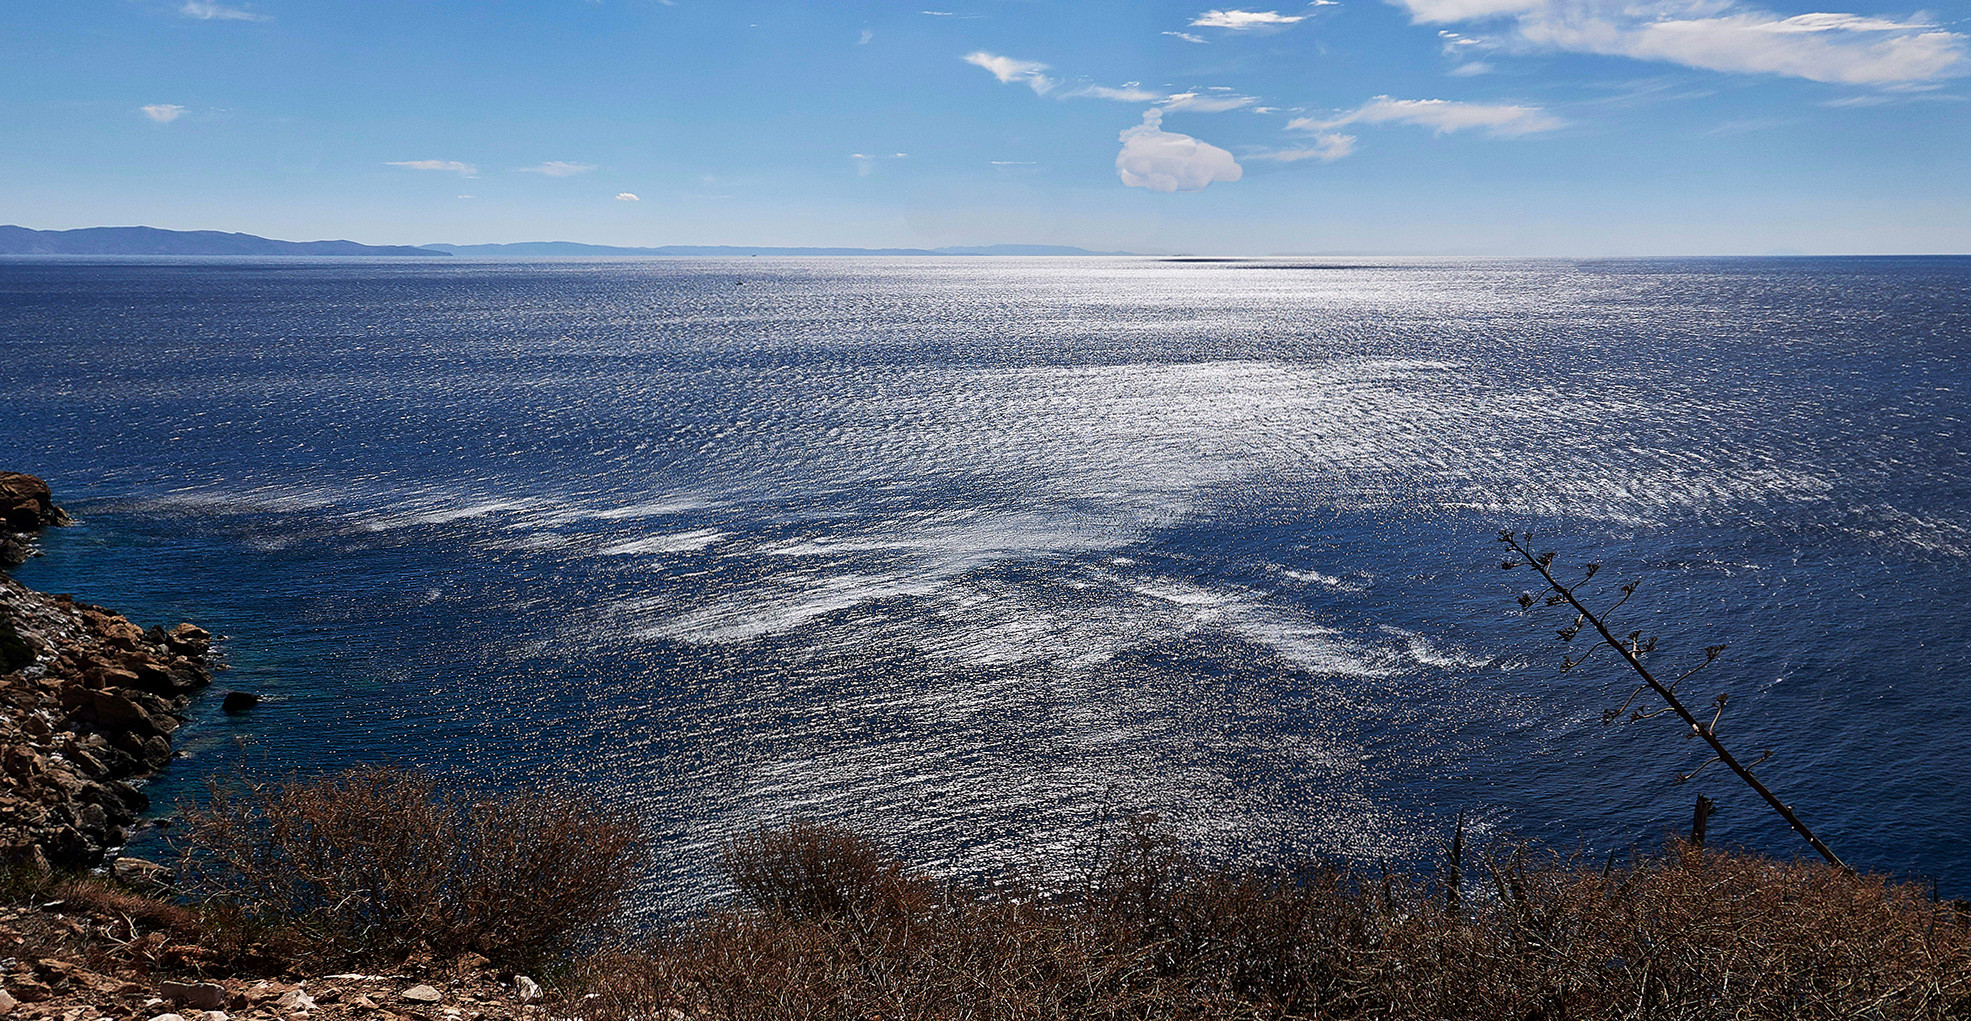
(153, 241)
(538, 249)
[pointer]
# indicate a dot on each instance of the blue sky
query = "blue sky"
(1563, 127)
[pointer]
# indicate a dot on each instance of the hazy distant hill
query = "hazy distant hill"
(152, 241)
(540, 249)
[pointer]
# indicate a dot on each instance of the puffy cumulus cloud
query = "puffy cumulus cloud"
(162, 113)
(1326, 147)
(1721, 35)
(1245, 21)
(1009, 70)
(625, 196)
(1440, 115)
(1166, 161)
(450, 166)
(558, 168)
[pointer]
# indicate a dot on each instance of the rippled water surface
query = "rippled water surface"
(978, 551)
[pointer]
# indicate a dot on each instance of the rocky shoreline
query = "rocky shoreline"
(88, 703)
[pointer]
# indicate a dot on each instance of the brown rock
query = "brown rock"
(29, 990)
(198, 995)
(27, 504)
(189, 640)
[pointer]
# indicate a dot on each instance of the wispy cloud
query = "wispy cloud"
(162, 113)
(1440, 115)
(558, 168)
(1722, 35)
(451, 166)
(624, 196)
(1327, 148)
(1010, 70)
(1200, 102)
(1033, 74)
(1127, 94)
(204, 10)
(866, 164)
(1248, 21)
(1166, 161)
(1188, 37)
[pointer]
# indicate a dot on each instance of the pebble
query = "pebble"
(422, 994)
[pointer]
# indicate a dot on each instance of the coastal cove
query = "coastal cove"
(980, 552)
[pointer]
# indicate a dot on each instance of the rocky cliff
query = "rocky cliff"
(88, 704)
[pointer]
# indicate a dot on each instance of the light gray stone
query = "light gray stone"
(422, 994)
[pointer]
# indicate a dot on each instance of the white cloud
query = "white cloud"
(1245, 21)
(1440, 115)
(207, 11)
(867, 35)
(866, 164)
(1187, 37)
(1327, 148)
(1126, 94)
(1032, 73)
(163, 113)
(452, 166)
(1197, 102)
(1009, 70)
(1166, 161)
(624, 196)
(559, 168)
(1723, 35)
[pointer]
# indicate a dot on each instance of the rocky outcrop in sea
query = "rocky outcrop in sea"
(88, 703)
(26, 507)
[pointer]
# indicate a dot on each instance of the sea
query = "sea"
(989, 557)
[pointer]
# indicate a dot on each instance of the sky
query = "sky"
(1484, 127)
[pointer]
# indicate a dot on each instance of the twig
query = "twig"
(1543, 564)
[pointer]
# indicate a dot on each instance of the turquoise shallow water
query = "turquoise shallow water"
(977, 550)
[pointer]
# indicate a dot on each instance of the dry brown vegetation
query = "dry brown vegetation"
(381, 866)
(834, 927)
(377, 863)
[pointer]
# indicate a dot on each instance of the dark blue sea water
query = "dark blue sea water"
(974, 552)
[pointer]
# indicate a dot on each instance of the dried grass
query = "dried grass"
(834, 927)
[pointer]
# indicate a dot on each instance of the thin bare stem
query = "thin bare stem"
(1544, 565)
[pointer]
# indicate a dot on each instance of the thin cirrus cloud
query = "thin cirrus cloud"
(1033, 74)
(449, 166)
(1440, 115)
(558, 168)
(1010, 70)
(162, 113)
(1202, 102)
(1165, 161)
(1327, 147)
(207, 11)
(865, 164)
(1720, 35)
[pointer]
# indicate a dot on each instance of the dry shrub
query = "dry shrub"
(812, 872)
(377, 863)
(1151, 933)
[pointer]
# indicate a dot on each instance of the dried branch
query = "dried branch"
(1631, 652)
